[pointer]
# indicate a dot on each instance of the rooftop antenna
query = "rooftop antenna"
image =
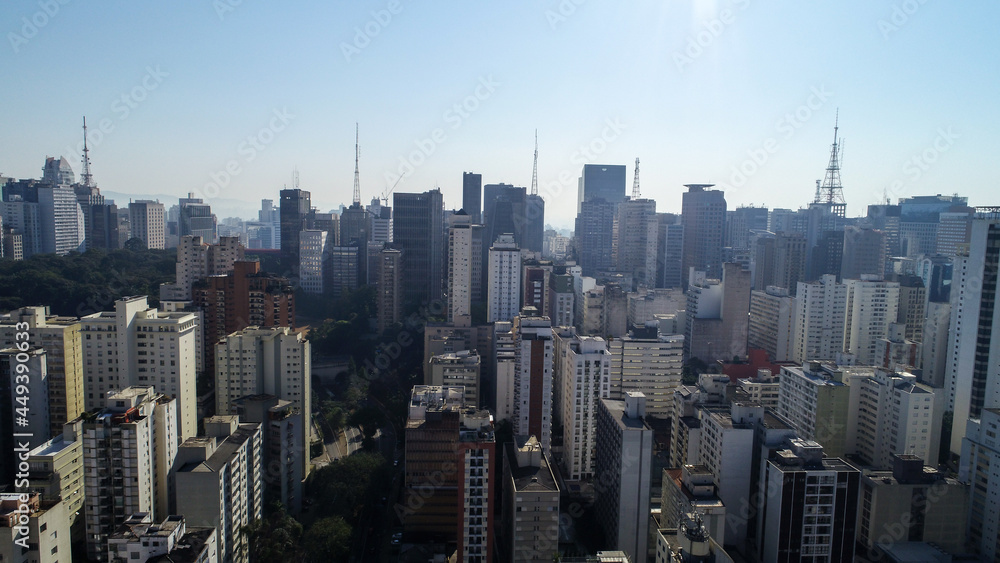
(635, 183)
(295, 178)
(357, 177)
(534, 169)
(88, 178)
(831, 191)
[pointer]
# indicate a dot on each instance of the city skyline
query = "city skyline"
(713, 99)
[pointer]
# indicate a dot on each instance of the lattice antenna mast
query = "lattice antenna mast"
(357, 176)
(635, 182)
(295, 178)
(832, 189)
(88, 178)
(534, 168)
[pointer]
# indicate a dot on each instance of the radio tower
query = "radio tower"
(534, 169)
(88, 178)
(831, 191)
(635, 183)
(357, 177)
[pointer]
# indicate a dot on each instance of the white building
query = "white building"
(649, 363)
(147, 223)
(504, 293)
(818, 320)
(458, 369)
(312, 251)
(140, 540)
(622, 467)
(128, 449)
(275, 361)
(504, 370)
(41, 537)
(31, 418)
(583, 375)
(136, 345)
(872, 305)
(461, 258)
(771, 314)
(533, 357)
(531, 503)
(980, 458)
(197, 260)
(217, 482)
(815, 401)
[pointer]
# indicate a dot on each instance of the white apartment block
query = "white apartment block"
(458, 369)
(275, 361)
(312, 251)
(872, 305)
(533, 362)
(504, 293)
(763, 389)
(136, 345)
(649, 363)
(585, 381)
(460, 264)
(771, 314)
(46, 538)
(818, 320)
(197, 260)
(980, 460)
(146, 219)
(815, 401)
(504, 370)
(128, 449)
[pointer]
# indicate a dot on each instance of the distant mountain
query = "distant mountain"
(222, 207)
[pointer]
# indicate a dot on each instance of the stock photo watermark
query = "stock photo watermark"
(32, 25)
(899, 17)
(703, 39)
(363, 35)
(248, 150)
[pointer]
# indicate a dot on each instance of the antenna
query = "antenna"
(831, 191)
(88, 178)
(357, 177)
(534, 169)
(635, 183)
(295, 178)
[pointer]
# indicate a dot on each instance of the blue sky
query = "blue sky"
(225, 98)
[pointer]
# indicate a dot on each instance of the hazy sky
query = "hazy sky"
(698, 90)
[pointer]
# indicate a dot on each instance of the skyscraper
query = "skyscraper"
(533, 378)
(196, 218)
(872, 304)
(601, 181)
(418, 230)
(593, 237)
(462, 259)
(703, 214)
(294, 206)
(504, 291)
(147, 223)
(864, 253)
(634, 240)
(472, 196)
(818, 320)
(390, 288)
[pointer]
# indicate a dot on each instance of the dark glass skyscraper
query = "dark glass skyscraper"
(601, 181)
(472, 196)
(418, 230)
(703, 214)
(294, 208)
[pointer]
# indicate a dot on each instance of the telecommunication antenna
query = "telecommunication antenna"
(88, 178)
(534, 169)
(635, 182)
(357, 177)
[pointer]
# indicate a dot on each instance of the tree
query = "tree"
(328, 539)
(274, 539)
(135, 244)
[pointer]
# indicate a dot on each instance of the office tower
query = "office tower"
(381, 222)
(312, 251)
(634, 240)
(504, 370)
(355, 230)
(457, 369)
(504, 293)
(593, 237)
(530, 504)
(623, 462)
(139, 539)
(450, 448)
(285, 447)
(24, 405)
(48, 216)
(912, 309)
(742, 223)
(818, 320)
(937, 506)
(461, 262)
(919, 219)
(647, 362)
(669, 251)
(134, 441)
(561, 299)
(601, 181)
(533, 229)
(812, 508)
(864, 253)
(273, 361)
(980, 458)
(57, 474)
(787, 264)
(885, 217)
(583, 379)
(196, 260)
(244, 297)
(32, 529)
(770, 328)
(340, 268)
(390, 288)
(418, 230)
(717, 323)
(217, 482)
(814, 399)
(146, 223)
(536, 285)
(703, 214)
(872, 304)
(61, 340)
(103, 230)
(472, 196)
(934, 344)
(533, 377)
(195, 218)
(268, 213)
(973, 377)
(954, 231)
(614, 314)
(590, 319)
(89, 197)
(691, 488)
(893, 414)
(137, 345)
(57, 171)
(294, 206)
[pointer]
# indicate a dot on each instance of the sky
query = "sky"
(226, 98)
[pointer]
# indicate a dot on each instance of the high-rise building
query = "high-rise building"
(195, 218)
(532, 401)
(561, 300)
(48, 216)
(717, 316)
(593, 237)
(582, 380)
(601, 181)
(650, 363)
(703, 214)
(811, 513)
(217, 482)
(472, 196)
(138, 345)
(872, 305)
(450, 448)
(457, 369)
(146, 223)
(129, 448)
(980, 458)
(669, 251)
(355, 230)
(771, 321)
(531, 503)
(504, 292)
(57, 171)
(418, 230)
(533, 229)
(954, 231)
(742, 223)
(780, 261)
(815, 401)
(273, 361)
(691, 488)
(634, 240)
(389, 300)
(934, 344)
(463, 258)
(312, 254)
(623, 464)
(24, 405)
(32, 529)
(294, 206)
(381, 222)
(864, 253)
(196, 260)
(285, 447)
(818, 320)
(919, 219)
(57, 474)
(536, 285)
